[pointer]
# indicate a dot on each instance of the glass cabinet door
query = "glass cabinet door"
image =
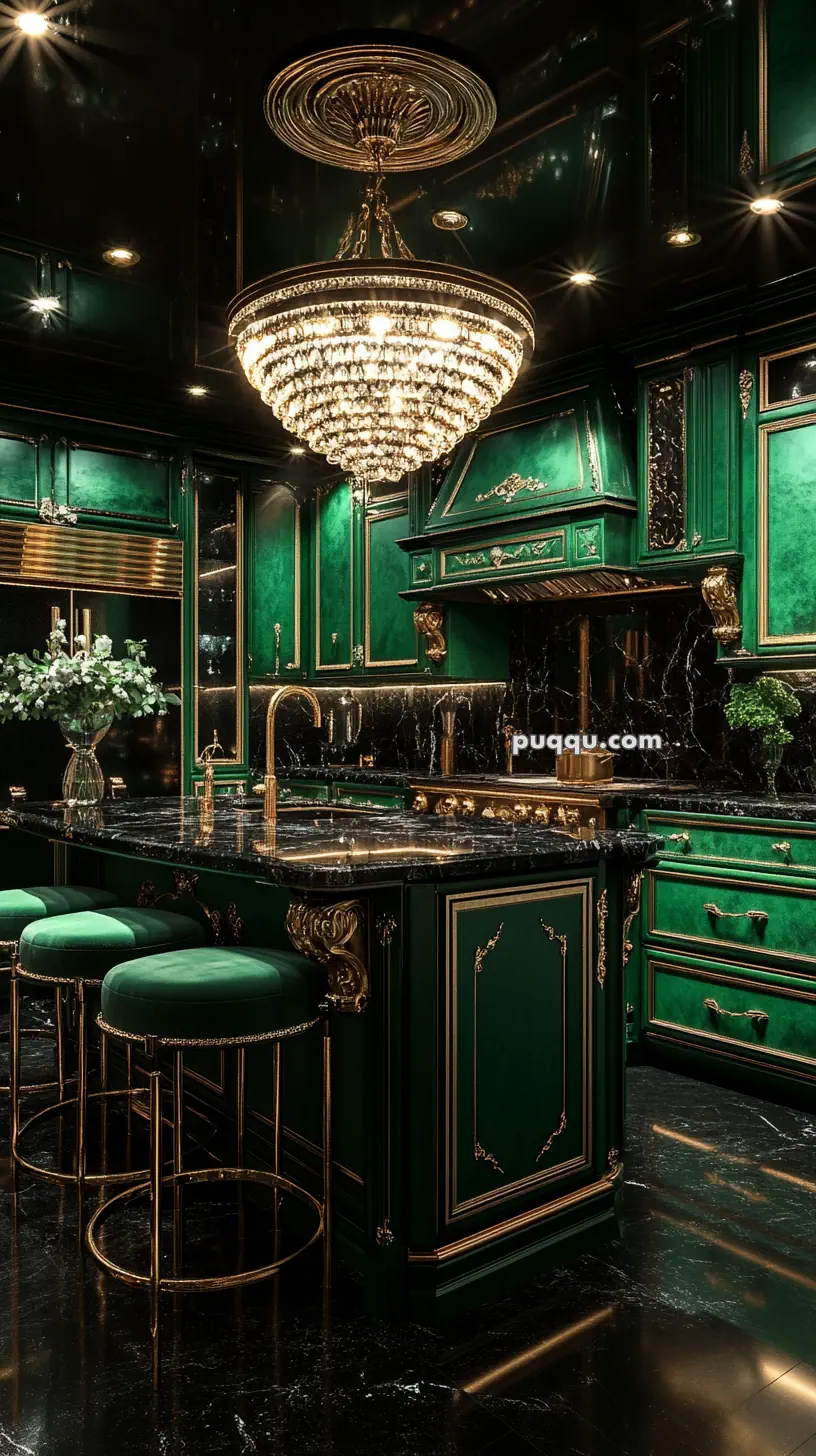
(219, 648)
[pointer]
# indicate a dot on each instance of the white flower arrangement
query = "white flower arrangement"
(91, 684)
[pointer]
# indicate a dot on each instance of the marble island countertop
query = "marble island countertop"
(635, 794)
(316, 847)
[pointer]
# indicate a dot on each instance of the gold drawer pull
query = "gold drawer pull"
(683, 838)
(783, 846)
(759, 917)
(759, 1018)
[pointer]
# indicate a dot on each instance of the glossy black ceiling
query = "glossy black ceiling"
(144, 125)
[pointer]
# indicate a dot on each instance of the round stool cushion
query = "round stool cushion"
(18, 908)
(213, 994)
(85, 945)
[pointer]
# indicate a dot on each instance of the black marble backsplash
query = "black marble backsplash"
(653, 669)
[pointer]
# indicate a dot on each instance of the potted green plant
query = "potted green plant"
(762, 706)
(83, 693)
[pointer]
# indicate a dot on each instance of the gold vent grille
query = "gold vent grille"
(66, 556)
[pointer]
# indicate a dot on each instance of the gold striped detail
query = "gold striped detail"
(66, 556)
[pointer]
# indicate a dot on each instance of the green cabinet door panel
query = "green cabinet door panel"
(519, 965)
(19, 469)
(390, 634)
(720, 1007)
(276, 582)
(334, 579)
(738, 913)
(711, 454)
(788, 38)
(787, 524)
(517, 471)
(131, 484)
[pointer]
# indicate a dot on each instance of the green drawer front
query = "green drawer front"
(735, 913)
(511, 556)
(304, 789)
(367, 797)
(780, 847)
(722, 1010)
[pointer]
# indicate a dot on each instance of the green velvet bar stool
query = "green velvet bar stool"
(19, 908)
(76, 950)
(217, 998)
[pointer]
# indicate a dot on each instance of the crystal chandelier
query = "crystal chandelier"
(380, 363)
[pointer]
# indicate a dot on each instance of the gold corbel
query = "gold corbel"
(333, 935)
(227, 925)
(720, 596)
(428, 620)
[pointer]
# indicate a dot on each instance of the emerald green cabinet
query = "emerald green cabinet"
(276, 595)
(360, 622)
(689, 442)
(19, 468)
(780, 125)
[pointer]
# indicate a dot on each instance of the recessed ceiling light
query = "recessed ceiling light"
(582, 278)
(297, 450)
(197, 390)
(450, 219)
(767, 206)
(121, 257)
(682, 237)
(46, 304)
(31, 23)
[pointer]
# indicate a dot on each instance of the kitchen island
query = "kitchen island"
(476, 974)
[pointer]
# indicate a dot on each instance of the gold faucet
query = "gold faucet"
(292, 690)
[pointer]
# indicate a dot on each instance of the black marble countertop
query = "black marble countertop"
(316, 848)
(682, 798)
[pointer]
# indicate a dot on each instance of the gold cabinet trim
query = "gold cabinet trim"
(70, 556)
(333, 666)
(706, 882)
(749, 827)
(369, 660)
(723, 980)
(765, 359)
(509, 567)
(497, 899)
(765, 637)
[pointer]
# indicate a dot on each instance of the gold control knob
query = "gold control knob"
(420, 803)
(541, 814)
(447, 806)
(469, 807)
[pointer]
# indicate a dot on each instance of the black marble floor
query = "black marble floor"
(696, 1335)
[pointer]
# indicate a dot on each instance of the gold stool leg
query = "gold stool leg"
(276, 1146)
(60, 1035)
(155, 1212)
(327, 1150)
(240, 1108)
(81, 1102)
(178, 1135)
(14, 1066)
(129, 1065)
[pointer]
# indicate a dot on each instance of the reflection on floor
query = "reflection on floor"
(695, 1335)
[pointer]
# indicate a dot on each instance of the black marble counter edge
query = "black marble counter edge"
(167, 830)
(683, 800)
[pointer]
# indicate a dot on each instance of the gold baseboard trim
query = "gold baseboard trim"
(72, 557)
(514, 1225)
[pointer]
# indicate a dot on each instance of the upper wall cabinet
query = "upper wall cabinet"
(688, 502)
(277, 598)
(780, 124)
(564, 451)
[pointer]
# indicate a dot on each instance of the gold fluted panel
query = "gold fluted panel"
(66, 556)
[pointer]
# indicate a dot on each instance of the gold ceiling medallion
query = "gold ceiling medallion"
(411, 107)
(380, 363)
(429, 620)
(720, 596)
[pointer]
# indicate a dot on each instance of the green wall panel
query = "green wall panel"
(790, 69)
(334, 586)
(19, 282)
(790, 524)
(276, 583)
(390, 635)
(547, 456)
(123, 483)
(18, 468)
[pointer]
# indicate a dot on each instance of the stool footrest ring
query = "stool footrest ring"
(53, 1175)
(175, 1284)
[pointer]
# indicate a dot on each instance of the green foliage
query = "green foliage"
(73, 690)
(762, 706)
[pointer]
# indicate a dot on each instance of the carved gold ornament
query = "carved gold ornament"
(746, 389)
(632, 905)
(746, 159)
(325, 933)
(602, 916)
(720, 596)
(561, 1125)
(514, 485)
(429, 620)
(227, 925)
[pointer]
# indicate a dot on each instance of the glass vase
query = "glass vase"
(772, 758)
(84, 781)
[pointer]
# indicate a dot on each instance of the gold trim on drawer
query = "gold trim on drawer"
(724, 981)
(706, 882)
(496, 558)
(748, 826)
(70, 556)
